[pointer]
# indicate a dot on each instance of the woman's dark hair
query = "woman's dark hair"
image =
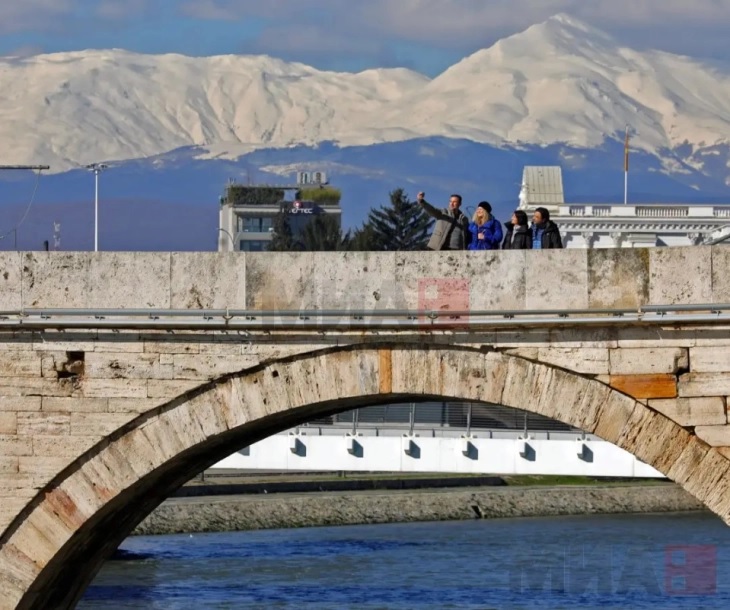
(521, 217)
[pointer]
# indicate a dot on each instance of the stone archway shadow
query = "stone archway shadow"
(52, 551)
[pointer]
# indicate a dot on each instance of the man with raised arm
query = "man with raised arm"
(451, 231)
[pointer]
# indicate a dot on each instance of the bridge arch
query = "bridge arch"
(54, 548)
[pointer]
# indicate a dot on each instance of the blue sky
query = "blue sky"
(426, 35)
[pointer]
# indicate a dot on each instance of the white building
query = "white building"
(605, 225)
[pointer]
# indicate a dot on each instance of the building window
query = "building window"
(255, 224)
(254, 245)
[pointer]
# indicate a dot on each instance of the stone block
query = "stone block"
(208, 280)
(12, 445)
(45, 465)
(56, 279)
(98, 424)
(119, 342)
(133, 405)
(281, 281)
(10, 281)
(166, 389)
(108, 365)
(8, 422)
(16, 341)
(113, 388)
(488, 281)
(20, 364)
(556, 279)
(34, 387)
(355, 280)
(63, 446)
(645, 386)
(9, 465)
(680, 276)
(233, 347)
(710, 359)
(586, 360)
(58, 341)
(20, 403)
(720, 277)
(210, 367)
(708, 411)
(74, 405)
(129, 280)
(704, 384)
(648, 361)
(715, 436)
(650, 336)
(31, 424)
(618, 278)
(173, 345)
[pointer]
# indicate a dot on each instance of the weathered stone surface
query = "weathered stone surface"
(57, 341)
(10, 293)
(645, 386)
(618, 278)
(586, 360)
(20, 364)
(11, 445)
(109, 365)
(20, 403)
(654, 439)
(720, 276)
(709, 411)
(9, 465)
(652, 336)
(34, 387)
(648, 361)
(208, 280)
(44, 465)
(680, 275)
(269, 285)
(63, 446)
(132, 405)
(98, 424)
(704, 384)
(715, 436)
(547, 269)
(74, 405)
(203, 367)
(165, 389)
(613, 416)
(30, 424)
(425, 280)
(56, 279)
(8, 423)
(710, 360)
(175, 345)
(114, 388)
(148, 271)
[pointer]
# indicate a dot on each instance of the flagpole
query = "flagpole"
(626, 166)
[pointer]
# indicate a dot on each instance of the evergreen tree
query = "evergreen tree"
(364, 239)
(323, 234)
(281, 238)
(403, 225)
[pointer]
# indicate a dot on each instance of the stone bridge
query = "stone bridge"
(106, 406)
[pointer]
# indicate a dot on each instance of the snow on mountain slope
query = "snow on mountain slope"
(561, 81)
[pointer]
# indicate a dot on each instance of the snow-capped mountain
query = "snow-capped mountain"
(559, 82)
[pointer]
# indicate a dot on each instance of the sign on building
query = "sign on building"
(314, 178)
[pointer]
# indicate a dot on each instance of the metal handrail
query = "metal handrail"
(242, 319)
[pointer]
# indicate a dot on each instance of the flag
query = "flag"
(626, 151)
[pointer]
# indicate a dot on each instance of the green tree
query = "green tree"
(282, 239)
(364, 239)
(402, 225)
(323, 234)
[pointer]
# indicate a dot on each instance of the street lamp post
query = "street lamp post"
(233, 241)
(97, 168)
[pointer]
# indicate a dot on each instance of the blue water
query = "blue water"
(648, 561)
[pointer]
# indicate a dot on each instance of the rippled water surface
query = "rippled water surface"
(648, 561)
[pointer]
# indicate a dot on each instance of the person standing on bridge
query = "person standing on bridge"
(518, 235)
(451, 231)
(545, 233)
(485, 231)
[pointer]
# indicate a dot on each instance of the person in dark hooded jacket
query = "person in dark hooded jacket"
(518, 235)
(545, 233)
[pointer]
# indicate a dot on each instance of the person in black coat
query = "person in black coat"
(545, 233)
(518, 235)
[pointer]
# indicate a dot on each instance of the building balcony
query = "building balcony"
(659, 211)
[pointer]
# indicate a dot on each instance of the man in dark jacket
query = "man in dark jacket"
(451, 231)
(545, 233)
(518, 235)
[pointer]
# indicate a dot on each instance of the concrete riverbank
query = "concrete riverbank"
(221, 513)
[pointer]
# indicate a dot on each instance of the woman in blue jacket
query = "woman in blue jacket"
(485, 230)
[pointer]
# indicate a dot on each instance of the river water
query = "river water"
(647, 561)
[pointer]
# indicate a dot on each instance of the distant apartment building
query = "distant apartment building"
(247, 212)
(619, 225)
